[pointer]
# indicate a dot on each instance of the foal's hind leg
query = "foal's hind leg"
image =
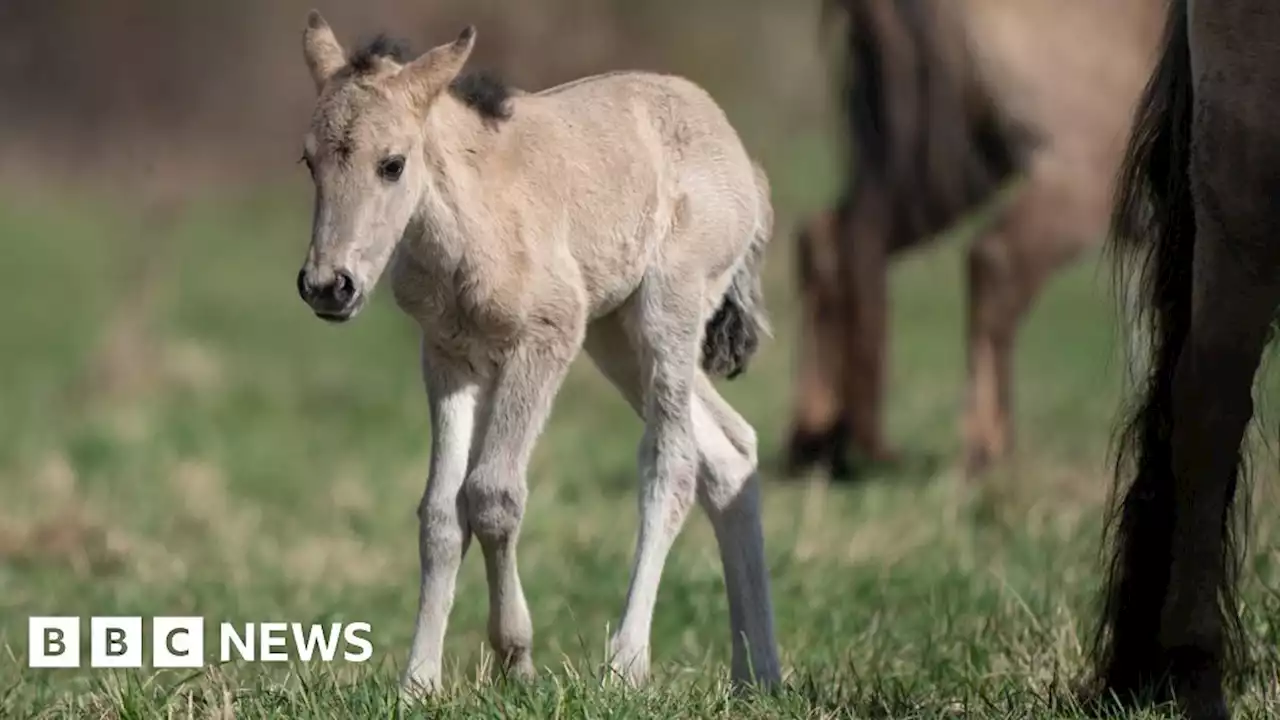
(729, 490)
(496, 489)
(665, 320)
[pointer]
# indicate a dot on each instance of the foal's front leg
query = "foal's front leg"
(495, 489)
(443, 534)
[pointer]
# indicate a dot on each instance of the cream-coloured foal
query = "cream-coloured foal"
(619, 213)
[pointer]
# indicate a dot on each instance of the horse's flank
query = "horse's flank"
(1072, 71)
(947, 103)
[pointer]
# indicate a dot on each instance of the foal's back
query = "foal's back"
(629, 170)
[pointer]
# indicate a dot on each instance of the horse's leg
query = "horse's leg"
(1235, 294)
(1203, 157)
(523, 390)
(443, 534)
(1008, 267)
(993, 316)
(729, 490)
(1171, 620)
(1236, 290)
(665, 321)
(1233, 303)
(864, 266)
(817, 429)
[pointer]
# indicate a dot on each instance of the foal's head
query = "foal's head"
(364, 149)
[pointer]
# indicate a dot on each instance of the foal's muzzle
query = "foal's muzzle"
(336, 300)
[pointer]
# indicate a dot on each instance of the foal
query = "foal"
(618, 212)
(1197, 214)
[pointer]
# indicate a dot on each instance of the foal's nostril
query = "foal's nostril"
(344, 288)
(304, 290)
(335, 296)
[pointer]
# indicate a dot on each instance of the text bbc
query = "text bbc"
(178, 642)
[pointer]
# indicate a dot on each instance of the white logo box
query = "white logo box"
(115, 642)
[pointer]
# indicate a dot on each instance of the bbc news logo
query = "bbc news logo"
(178, 642)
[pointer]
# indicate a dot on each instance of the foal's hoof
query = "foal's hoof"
(629, 664)
(764, 680)
(414, 693)
(520, 668)
(415, 689)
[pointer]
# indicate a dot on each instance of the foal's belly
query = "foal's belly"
(611, 272)
(605, 299)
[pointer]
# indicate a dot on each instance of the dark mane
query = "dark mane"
(364, 60)
(483, 92)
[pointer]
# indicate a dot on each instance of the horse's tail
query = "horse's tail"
(734, 331)
(1152, 244)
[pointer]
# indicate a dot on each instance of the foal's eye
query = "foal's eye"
(391, 168)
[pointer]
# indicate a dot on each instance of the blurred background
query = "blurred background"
(221, 87)
(179, 435)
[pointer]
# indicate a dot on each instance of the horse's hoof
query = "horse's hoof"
(1198, 687)
(1214, 708)
(977, 462)
(805, 451)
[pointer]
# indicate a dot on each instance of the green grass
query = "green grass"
(180, 436)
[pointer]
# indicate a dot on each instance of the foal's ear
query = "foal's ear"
(432, 72)
(320, 47)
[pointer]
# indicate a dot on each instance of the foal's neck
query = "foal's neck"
(458, 147)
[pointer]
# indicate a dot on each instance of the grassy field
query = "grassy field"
(180, 436)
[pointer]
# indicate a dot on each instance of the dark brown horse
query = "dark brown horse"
(946, 102)
(1197, 223)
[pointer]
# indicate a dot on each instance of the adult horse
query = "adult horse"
(1196, 218)
(945, 103)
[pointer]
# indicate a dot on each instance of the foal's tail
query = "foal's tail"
(1153, 244)
(734, 332)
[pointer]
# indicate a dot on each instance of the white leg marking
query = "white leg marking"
(443, 534)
